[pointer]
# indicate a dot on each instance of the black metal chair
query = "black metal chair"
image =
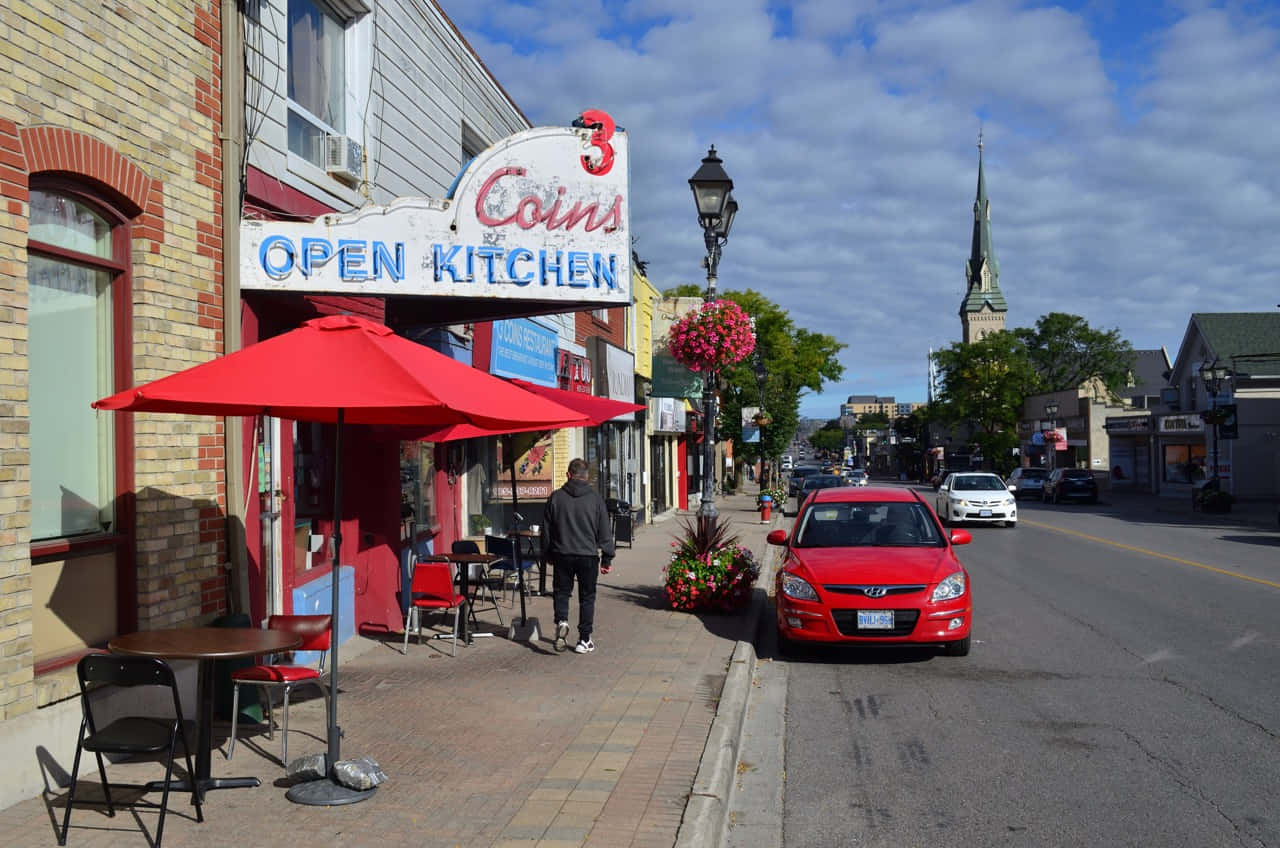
(130, 735)
(480, 578)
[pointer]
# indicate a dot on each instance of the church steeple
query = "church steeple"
(983, 309)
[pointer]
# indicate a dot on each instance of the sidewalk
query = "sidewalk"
(1177, 509)
(509, 743)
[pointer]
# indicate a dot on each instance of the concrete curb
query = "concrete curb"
(706, 813)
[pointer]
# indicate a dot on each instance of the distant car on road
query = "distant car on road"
(797, 477)
(1070, 484)
(813, 483)
(1027, 481)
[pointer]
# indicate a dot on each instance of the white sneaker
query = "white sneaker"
(562, 634)
(584, 646)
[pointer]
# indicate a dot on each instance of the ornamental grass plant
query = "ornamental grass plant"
(709, 571)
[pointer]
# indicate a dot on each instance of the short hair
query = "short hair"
(578, 469)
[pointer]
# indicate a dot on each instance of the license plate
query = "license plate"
(984, 513)
(875, 619)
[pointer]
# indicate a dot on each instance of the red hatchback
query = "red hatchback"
(872, 566)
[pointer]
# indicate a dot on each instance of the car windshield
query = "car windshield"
(862, 524)
(822, 481)
(977, 483)
(1033, 474)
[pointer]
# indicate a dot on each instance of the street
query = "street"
(1123, 689)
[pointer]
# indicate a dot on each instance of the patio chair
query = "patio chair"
(503, 547)
(480, 578)
(432, 588)
(99, 673)
(315, 633)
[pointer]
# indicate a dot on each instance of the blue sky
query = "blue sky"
(1132, 154)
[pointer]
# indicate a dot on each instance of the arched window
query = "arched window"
(78, 350)
(77, 257)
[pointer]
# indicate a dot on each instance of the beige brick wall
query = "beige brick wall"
(127, 95)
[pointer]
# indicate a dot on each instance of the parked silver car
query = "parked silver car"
(1027, 481)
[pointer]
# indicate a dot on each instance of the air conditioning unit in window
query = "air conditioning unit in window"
(343, 158)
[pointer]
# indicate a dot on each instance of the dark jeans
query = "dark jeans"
(587, 570)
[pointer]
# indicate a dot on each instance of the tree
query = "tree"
(830, 438)
(983, 385)
(1066, 353)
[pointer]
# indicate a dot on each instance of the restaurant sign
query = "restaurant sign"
(541, 215)
(1187, 423)
(1128, 424)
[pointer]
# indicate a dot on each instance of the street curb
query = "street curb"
(706, 813)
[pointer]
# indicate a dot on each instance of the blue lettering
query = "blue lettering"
(443, 261)
(471, 264)
(578, 268)
(606, 274)
(315, 252)
(351, 260)
(519, 254)
(487, 254)
(384, 262)
(276, 272)
(545, 270)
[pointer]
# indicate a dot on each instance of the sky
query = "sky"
(1131, 151)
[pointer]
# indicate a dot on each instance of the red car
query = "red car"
(872, 566)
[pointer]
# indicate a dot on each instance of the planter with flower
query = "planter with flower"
(713, 337)
(1212, 499)
(709, 571)
(778, 494)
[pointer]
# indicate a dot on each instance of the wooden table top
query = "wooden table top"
(204, 643)
(468, 558)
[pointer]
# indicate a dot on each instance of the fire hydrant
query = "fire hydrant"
(766, 508)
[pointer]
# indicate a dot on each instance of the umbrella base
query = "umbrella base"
(524, 631)
(327, 793)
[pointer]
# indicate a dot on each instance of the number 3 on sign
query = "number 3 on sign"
(603, 127)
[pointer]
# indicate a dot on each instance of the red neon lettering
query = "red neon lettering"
(529, 212)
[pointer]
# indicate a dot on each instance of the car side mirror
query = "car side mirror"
(776, 537)
(960, 537)
(1012, 486)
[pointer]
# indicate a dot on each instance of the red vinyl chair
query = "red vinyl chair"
(314, 630)
(432, 588)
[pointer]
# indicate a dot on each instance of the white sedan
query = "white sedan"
(977, 496)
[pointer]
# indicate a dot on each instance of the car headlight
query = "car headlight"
(798, 588)
(959, 502)
(951, 587)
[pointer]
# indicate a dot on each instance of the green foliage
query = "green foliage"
(1066, 352)
(873, 421)
(983, 385)
(830, 438)
(709, 570)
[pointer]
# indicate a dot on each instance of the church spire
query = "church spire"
(983, 308)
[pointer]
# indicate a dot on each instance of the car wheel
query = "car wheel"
(959, 648)
(1093, 500)
(1011, 524)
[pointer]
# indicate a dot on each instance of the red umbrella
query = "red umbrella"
(336, 369)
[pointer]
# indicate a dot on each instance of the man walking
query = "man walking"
(577, 536)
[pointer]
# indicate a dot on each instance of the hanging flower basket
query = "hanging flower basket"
(713, 337)
(762, 418)
(1052, 436)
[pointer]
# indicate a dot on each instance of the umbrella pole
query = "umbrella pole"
(327, 791)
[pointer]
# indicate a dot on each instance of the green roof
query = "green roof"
(1233, 334)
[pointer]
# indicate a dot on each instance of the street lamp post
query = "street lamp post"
(1214, 375)
(757, 363)
(1051, 412)
(713, 195)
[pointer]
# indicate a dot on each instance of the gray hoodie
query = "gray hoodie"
(576, 522)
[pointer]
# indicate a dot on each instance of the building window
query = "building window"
(317, 78)
(417, 488)
(78, 350)
(76, 255)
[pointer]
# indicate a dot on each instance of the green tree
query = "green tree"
(983, 385)
(1066, 353)
(830, 438)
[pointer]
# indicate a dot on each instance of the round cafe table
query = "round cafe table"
(206, 644)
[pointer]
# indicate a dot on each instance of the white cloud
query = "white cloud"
(1130, 159)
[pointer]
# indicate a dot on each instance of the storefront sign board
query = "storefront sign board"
(524, 349)
(536, 217)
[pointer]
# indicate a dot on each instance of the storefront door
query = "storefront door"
(658, 474)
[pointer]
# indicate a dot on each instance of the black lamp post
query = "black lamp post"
(1214, 375)
(757, 365)
(713, 194)
(1051, 412)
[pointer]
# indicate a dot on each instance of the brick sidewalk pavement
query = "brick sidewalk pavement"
(509, 743)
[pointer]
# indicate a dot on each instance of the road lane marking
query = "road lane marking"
(1156, 554)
